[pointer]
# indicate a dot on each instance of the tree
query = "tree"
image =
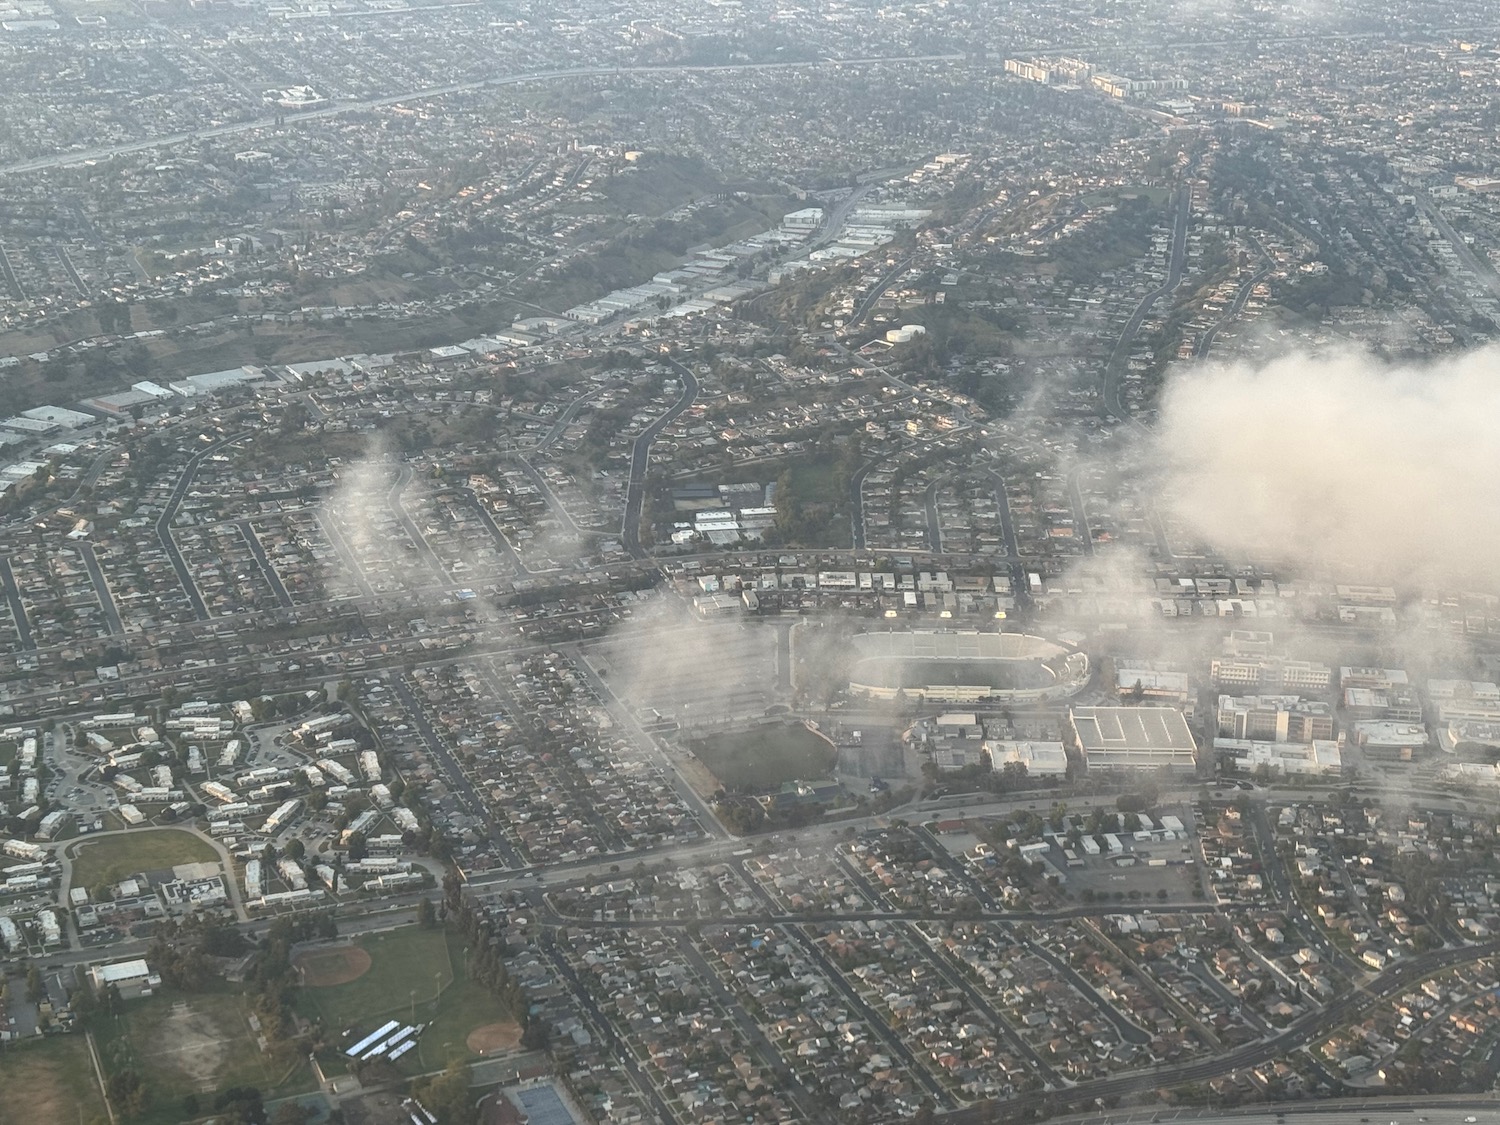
(291, 1113)
(536, 1036)
(127, 1092)
(426, 914)
(447, 1095)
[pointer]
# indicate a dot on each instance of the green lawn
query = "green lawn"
(402, 962)
(49, 1079)
(765, 756)
(460, 1010)
(185, 1044)
(113, 858)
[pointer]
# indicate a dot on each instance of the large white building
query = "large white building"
(1321, 757)
(1041, 759)
(1128, 738)
(132, 978)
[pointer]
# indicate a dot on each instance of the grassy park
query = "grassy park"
(413, 974)
(49, 1079)
(113, 858)
(765, 756)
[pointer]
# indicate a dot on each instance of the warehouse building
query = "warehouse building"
(1130, 738)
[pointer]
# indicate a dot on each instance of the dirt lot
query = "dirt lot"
(197, 1047)
(493, 1038)
(325, 968)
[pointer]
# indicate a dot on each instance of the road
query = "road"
(624, 716)
(863, 310)
(10, 275)
(561, 423)
(169, 513)
(1236, 307)
(101, 589)
(640, 458)
(621, 1054)
(341, 547)
(72, 271)
(1019, 588)
(1176, 259)
(1301, 1031)
(551, 499)
(934, 517)
(259, 552)
(495, 533)
(105, 152)
(1484, 272)
(458, 781)
(1080, 509)
(789, 1085)
(857, 504)
(393, 501)
(17, 606)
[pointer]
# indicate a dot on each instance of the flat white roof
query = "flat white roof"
(1132, 728)
(121, 971)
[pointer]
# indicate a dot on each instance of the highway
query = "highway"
(106, 152)
(1485, 274)
(640, 459)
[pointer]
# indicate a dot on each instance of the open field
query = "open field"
(402, 961)
(765, 756)
(49, 1080)
(189, 1044)
(115, 857)
(462, 1010)
(431, 964)
(912, 672)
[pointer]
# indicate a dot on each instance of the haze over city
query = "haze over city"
(668, 564)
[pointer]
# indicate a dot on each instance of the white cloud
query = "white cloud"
(1341, 461)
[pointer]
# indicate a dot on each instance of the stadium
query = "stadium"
(938, 667)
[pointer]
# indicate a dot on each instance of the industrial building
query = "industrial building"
(1116, 738)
